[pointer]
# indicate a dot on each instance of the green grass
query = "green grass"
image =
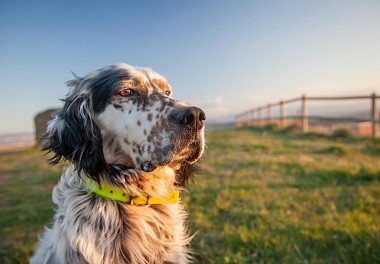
(25, 198)
(264, 196)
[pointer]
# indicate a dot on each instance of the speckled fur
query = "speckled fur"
(128, 142)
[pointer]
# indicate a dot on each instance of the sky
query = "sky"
(223, 56)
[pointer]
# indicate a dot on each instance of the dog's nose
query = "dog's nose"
(190, 116)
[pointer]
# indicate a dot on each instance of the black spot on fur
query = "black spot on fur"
(139, 150)
(118, 106)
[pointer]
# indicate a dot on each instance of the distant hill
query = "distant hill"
(16, 141)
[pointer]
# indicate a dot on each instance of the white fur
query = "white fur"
(76, 237)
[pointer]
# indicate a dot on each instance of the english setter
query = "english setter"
(130, 147)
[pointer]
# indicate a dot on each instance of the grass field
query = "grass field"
(264, 197)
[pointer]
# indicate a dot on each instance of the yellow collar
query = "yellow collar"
(118, 194)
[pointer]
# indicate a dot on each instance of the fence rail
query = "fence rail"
(264, 114)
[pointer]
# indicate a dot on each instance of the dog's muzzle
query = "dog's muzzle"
(187, 124)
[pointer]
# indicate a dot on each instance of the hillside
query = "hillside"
(263, 196)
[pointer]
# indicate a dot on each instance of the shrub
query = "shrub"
(314, 135)
(341, 133)
(332, 150)
(294, 127)
(372, 147)
(271, 126)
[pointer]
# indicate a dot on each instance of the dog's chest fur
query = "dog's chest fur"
(90, 229)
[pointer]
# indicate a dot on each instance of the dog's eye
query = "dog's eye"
(167, 93)
(125, 92)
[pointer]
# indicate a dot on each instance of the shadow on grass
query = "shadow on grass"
(336, 150)
(292, 244)
(306, 179)
(372, 148)
(292, 134)
(312, 242)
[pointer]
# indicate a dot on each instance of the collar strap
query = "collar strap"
(119, 194)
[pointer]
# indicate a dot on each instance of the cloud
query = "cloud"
(225, 108)
(261, 98)
(215, 107)
(218, 100)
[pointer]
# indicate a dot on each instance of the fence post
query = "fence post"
(282, 115)
(269, 113)
(305, 121)
(257, 117)
(259, 113)
(375, 116)
(252, 117)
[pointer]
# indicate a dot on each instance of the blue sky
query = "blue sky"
(224, 56)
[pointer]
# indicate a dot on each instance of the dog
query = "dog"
(131, 148)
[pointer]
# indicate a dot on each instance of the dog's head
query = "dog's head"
(124, 116)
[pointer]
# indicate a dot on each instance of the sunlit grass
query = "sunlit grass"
(25, 197)
(268, 196)
(264, 196)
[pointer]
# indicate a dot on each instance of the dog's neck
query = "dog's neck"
(131, 234)
(158, 183)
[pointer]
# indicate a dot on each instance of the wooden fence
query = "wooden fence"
(264, 114)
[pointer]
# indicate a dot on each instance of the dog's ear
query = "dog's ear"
(74, 136)
(186, 173)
